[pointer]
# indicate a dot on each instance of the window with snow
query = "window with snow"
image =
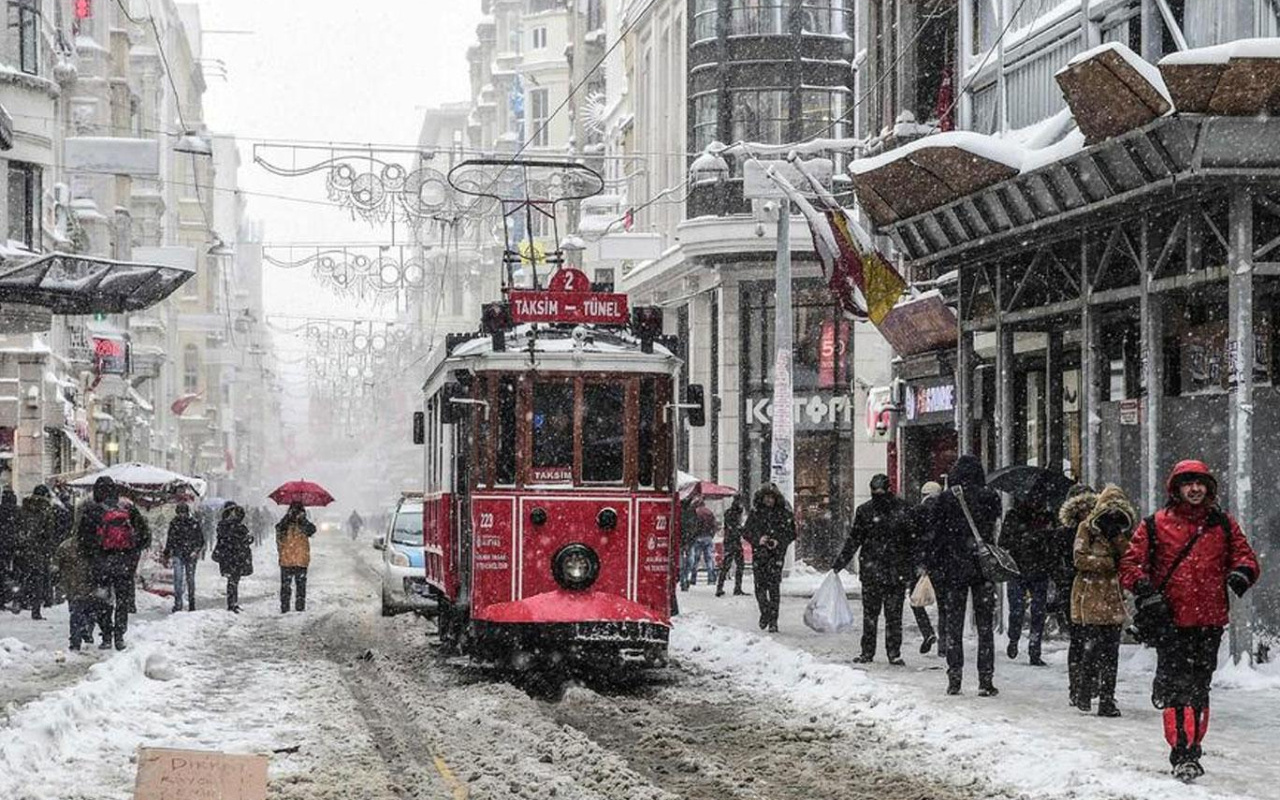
(706, 113)
(25, 184)
(760, 115)
(539, 38)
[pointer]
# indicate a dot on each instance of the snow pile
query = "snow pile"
(12, 650)
(944, 740)
(976, 144)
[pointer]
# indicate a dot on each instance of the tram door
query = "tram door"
(464, 476)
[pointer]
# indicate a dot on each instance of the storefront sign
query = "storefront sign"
(832, 361)
(880, 412)
(921, 400)
(808, 412)
(110, 356)
(601, 308)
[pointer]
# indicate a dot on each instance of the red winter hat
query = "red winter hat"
(1189, 468)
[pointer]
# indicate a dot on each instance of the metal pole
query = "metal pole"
(782, 462)
(1242, 357)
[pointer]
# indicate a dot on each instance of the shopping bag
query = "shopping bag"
(923, 595)
(828, 611)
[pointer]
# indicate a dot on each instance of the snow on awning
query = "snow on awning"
(78, 284)
(930, 172)
(82, 448)
(1236, 79)
(140, 400)
(1111, 91)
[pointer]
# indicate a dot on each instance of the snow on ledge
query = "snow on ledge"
(1222, 53)
(1007, 153)
(1146, 69)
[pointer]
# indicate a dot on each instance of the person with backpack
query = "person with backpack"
(233, 553)
(293, 540)
(1186, 558)
(37, 539)
(182, 546)
(113, 533)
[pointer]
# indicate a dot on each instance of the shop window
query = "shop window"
(705, 13)
(823, 17)
(760, 115)
(822, 338)
(821, 111)
(25, 185)
(758, 17)
(706, 115)
(538, 117)
(602, 432)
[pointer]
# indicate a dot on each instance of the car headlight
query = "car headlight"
(575, 566)
(399, 559)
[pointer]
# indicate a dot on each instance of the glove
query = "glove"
(1238, 581)
(1143, 589)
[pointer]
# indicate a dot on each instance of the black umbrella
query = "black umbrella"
(1031, 483)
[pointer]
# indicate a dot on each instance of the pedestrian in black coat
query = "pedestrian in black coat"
(952, 563)
(770, 529)
(114, 542)
(732, 549)
(1027, 533)
(233, 552)
(182, 547)
(10, 520)
(883, 535)
(37, 540)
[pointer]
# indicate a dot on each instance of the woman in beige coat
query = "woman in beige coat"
(1097, 606)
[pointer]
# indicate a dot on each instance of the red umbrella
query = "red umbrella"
(305, 492)
(709, 490)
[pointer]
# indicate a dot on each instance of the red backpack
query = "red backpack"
(115, 532)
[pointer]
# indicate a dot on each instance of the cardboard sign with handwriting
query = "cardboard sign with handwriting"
(165, 774)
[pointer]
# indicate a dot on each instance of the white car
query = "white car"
(404, 576)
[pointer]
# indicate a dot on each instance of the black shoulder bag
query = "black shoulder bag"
(996, 563)
(1152, 617)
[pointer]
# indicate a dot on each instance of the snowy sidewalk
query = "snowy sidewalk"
(1028, 739)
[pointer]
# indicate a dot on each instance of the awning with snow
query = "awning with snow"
(78, 284)
(1111, 91)
(1236, 79)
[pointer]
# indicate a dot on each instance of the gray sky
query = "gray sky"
(328, 70)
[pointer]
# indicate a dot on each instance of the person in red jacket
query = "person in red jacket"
(1195, 589)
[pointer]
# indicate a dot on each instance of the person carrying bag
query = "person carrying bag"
(997, 565)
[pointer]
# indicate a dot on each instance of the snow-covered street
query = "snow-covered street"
(352, 705)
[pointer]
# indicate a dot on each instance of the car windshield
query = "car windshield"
(407, 528)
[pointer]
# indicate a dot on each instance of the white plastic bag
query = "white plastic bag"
(828, 610)
(923, 595)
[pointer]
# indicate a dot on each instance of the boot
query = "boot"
(986, 688)
(1012, 650)
(119, 642)
(863, 659)
(953, 685)
(738, 591)
(1107, 708)
(1188, 771)
(928, 643)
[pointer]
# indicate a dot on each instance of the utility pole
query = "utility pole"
(782, 469)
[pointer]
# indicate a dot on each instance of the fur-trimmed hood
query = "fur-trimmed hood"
(1077, 507)
(1112, 499)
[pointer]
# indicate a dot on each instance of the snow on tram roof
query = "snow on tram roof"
(560, 339)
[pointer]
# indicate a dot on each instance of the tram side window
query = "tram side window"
(506, 456)
(602, 432)
(648, 412)
(552, 431)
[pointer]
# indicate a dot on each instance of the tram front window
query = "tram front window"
(602, 431)
(552, 432)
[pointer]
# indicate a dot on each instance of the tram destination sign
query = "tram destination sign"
(598, 308)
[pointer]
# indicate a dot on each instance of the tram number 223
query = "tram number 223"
(486, 520)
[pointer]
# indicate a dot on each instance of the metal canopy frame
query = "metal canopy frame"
(77, 284)
(1169, 156)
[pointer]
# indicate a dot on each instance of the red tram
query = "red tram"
(551, 514)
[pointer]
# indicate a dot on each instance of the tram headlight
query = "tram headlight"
(575, 566)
